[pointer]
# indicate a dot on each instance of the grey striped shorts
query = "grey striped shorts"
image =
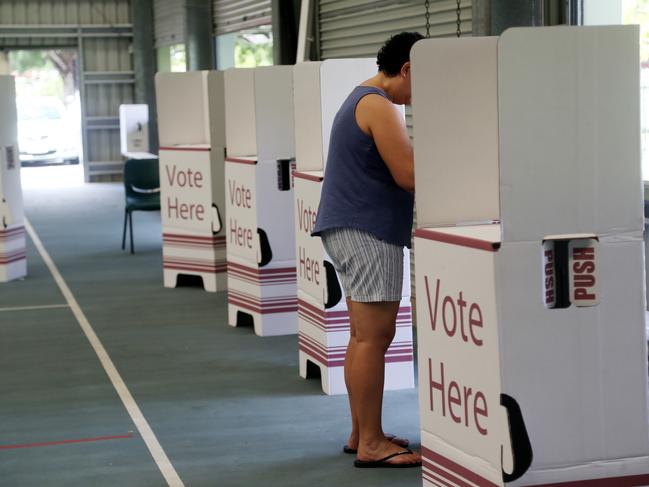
(371, 270)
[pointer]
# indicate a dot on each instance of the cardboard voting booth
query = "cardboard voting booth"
(529, 255)
(134, 131)
(320, 88)
(13, 260)
(191, 127)
(259, 199)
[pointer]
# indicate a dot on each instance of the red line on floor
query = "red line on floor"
(66, 442)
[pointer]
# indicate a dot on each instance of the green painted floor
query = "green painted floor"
(228, 407)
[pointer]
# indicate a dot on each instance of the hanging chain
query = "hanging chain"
(427, 5)
(458, 11)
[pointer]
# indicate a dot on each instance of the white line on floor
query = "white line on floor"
(28, 308)
(160, 457)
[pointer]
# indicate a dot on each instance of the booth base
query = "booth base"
(333, 378)
(212, 281)
(397, 375)
(443, 465)
(323, 339)
(265, 323)
(266, 295)
(15, 270)
(13, 261)
(194, 255)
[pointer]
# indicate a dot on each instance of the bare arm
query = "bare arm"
(383, 121)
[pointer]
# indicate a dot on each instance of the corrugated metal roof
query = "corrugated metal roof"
(238, 15)
(57, 12)
(358, 28)
(168, 22)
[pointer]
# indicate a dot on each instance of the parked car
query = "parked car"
(45, 133)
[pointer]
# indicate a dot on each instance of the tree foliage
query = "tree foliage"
(252, 51)
(178, 55)
(45, 72)
(29, 59)
(637, 12)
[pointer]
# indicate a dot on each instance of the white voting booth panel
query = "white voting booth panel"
(192, 207)
(192, 164)
(260, 247)
(13, 260)
(323, 318)
(191, 108)
(530, 278)
(260, 233)
(259, 113)
(319, 90)
(134, 130)
(13, 256)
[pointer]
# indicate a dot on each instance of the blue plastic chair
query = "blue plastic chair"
(142, 190)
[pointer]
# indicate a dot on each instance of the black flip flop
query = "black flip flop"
(353, 451)
(383, 462)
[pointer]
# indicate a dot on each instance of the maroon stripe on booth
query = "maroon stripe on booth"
(460, 474)
(186, 149)
(309, 177)
(240, 161)
(459, 240)
(627, 481)
(264, 305)
(11, 260)
(12, 232)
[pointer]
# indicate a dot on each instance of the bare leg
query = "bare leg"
(352, 442)
(375, 326)
(349, 360)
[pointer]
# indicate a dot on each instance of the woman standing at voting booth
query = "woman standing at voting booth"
(365, 220)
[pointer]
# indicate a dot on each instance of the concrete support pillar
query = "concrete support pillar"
(198, 35)
(144, 63)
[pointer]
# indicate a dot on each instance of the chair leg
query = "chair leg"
(124, 231)
(130, 223)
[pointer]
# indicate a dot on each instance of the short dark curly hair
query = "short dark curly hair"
(396, 52)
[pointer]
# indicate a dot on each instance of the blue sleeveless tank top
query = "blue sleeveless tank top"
(358, 189)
